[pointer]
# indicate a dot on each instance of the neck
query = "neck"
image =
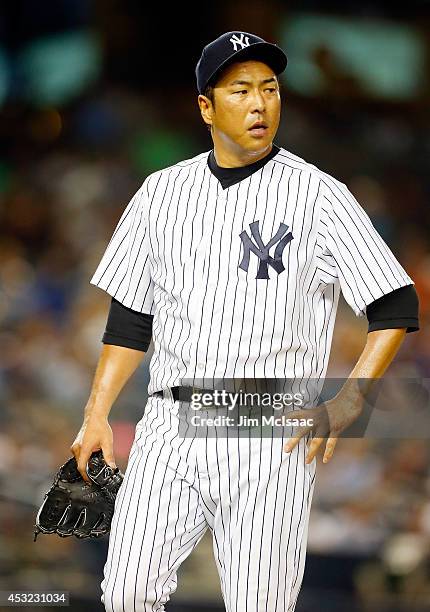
(236, 158)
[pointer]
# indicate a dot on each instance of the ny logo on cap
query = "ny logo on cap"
(243, 41)
(262, 250)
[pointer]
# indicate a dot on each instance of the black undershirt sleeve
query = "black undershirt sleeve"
(394, 310)
(127, 327)
(132, 329)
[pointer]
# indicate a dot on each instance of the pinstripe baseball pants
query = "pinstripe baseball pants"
(253, 497)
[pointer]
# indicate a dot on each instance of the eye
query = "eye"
(244, 91)
(271, 89)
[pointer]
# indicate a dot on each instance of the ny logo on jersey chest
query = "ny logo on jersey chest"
(261, 250)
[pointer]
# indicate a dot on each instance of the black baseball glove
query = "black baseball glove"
(75, 507)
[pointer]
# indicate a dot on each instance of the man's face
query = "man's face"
(247, 107)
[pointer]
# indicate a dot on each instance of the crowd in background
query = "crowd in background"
(63, 186)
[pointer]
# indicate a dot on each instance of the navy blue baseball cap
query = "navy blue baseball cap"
(236, 47)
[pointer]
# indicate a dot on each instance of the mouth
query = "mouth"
(258, 129)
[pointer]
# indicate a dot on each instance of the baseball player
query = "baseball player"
(232, 262)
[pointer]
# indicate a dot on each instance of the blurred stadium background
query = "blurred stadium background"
(93, 97)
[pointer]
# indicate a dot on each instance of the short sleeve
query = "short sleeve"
(354, 254)
(124, 270)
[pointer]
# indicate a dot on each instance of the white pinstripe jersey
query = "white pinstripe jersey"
(185, 251)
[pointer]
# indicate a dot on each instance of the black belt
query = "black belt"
(174, 390)
(183, 394)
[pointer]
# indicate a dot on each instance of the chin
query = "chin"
(258, 145)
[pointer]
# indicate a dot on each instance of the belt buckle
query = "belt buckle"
(168, 393)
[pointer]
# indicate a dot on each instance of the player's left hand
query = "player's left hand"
(329, 420)
(73, 506)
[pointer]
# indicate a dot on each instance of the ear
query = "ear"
(206, 109)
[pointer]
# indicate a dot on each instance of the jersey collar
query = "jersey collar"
(230, 176)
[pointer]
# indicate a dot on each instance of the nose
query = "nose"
(258, 103)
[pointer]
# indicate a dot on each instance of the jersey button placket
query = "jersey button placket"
(218, 215)
(200, 367)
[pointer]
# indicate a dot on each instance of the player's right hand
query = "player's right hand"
(95, 434)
